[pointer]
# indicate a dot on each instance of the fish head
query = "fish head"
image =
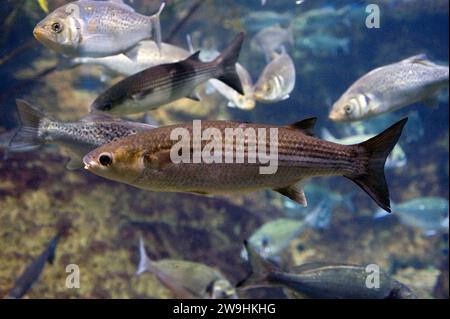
(221, 289)
(60, 31)
(269, 90)
(349, 108)
(121, 160)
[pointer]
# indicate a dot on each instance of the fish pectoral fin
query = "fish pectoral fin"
(139, 96)
(158, 160)
(306, 126)
(74, 164)
(295, 193)
(133, 53)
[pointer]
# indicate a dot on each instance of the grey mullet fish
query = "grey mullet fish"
(78, 138)
(166, 83)
(145, 160)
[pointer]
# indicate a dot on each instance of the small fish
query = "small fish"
(32, 273)
(321, 19)
(324, 45)
(322, 280)
(78, 138)
(257, 20)
(430, 214)
(89, 28)
(272, 238)
(44, 5)
(145, 55)
(144, 160)
(166, 83)
(271, 40)
(277, 81)
(391, 87)
(185, 279)
(396, 159)
(235, 99)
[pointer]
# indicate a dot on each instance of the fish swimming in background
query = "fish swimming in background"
(277, 81)
(254, 21)
(244, 101)
(271, 40)
(396, 159)
(322, 280)
(391, 87)
(145, 160)
(144, 56)
(272, 238)
(88, 28)
(430, 214)
(32, 273)
(78, 138)
(185, 279)
(324, 45)
(166, 83)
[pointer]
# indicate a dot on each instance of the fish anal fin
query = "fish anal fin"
(295, 193)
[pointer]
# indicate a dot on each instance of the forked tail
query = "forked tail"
(374, 152)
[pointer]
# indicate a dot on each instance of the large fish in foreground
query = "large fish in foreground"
(145, 160)
(186, 279)
(78, 138)
(324, 281)
(166, 83)
(391, 87)
(96, 28)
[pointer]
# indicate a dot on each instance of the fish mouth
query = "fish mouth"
(334, 117)
(39, 34)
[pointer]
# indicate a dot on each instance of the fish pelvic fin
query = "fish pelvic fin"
(226, 64)
(30, 118)
(374, 155)
(261, 270)
(145, 264)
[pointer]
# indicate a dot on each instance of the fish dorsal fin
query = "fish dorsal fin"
(195, 57)
(306, 126)
(295, 193)
(122, 4)
(418, 59)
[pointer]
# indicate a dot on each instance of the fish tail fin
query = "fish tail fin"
(226, 63)
(145, 263)
(374, 155)
(30, 118)
(156, 25)
(261, 270)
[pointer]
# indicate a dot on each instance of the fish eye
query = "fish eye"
(105, 159)
(348, 109)
(57, 27)
(107, 106)
(265, 242)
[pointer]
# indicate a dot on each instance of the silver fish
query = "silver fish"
(272, 238)
(79, 138)
(324, 45)
(430, 214)
(257, 20)
(391, 87)
(277, 81)
(187, 279)
(322, 280)
(244, 101)
(271, 40)
(96, 28)
(166, 83)
(143, 56)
